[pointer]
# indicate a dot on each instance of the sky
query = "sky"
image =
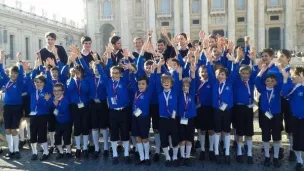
(70, 9)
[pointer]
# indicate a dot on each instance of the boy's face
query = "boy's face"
(148, 69)
(283, 59)
(117, 45)
(39, 84)
(173, 65)
(266, 58)
(54, 74)
(182, 40)
(186, 87)
(167, 84)
(203, 74)
(216, 53)
(115, 74)
(50, 41)
(270, 82)
(138, 44)
(160, 47)
(13, 76)
(221, 76)
(87, 45)
(295, 78)
(245, 75)
(212, 41)
(78, 74)
(142, 85)
(58, 92)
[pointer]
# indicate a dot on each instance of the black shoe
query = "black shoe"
(156, 157)
(234, 145)
(119, 148)
(140, 162)
(239, 158)
(51, 150)
(217, 159)
(91, 148)
(115, 160)
(187, 162)
(77, 153)
(9, 155)
(44, 157)
(193, 152)
(21, 144)
(197, 144)
(222, 145)
(105, 153)
(175, 163)
(267, 162)
(34, 157)
(202, 156)
(29, 144)
(85, 154)
(281, 153)
(136, 155)
(276, 163)
(59, 156)
(211, 156)
(292, 156)
(96, 154)
(182, 161)
(132, 150)
(1, 151)
(227, 159)
(168, 163)
(148, 162)
(68, 155)
(17, 155)
(249, 160)
(299, 167)
(127, 160)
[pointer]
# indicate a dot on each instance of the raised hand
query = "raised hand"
(208, 54)
(202, 35)
(230, 46)
(125, 53)
(95, 57)
(206, 43)
(164, 32)
(231, 57)
(47, 97)
(150, 32)
(246, 39)
(18, 56)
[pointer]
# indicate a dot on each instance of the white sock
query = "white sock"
(105, 134)
(85, 140)
(28, 130)
(34, 148)
(202, 142)
(95, 135)
(166, 152)
(59, 147)
(276, 149)
(299, 157)
(114, 148)
(45, 148)
(239, 148)
(140, 148)
(170, 141)
(147, 150)
(77, 141)
(126, 148)
(157, 143)
(216, 144)
(52, 138)
(249, 147)
(266, 148)
(227, 144)
(133, 139)
(211, 142)
(182, 150)
(21, 131)
(175, 151)
(188, 151)
(68, 148)
(290, 142)
(10, 143)
(16, 143)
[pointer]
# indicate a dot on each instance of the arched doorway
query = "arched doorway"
(106, 31)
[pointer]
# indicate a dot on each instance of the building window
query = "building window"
(165, 6)
(138, 8)
(241, 19)
(12, 46)
(274, 3)
(219, 32)
(217, 4)
(240, 42)
(40, 43)
(107, 8)
(195, 6)
(27, 48)
(274, 18)
(166, 23)
(274, 38)
(195, 22)
(241, 4)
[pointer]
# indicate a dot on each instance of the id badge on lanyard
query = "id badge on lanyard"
(167, 104)
(222, 105)
(80, 104)
(137, 111)
(198, 94)
(114, 99)
(249, 94)
(184, 120)
(8, 85)
(37, 99)
(97, 84)
(269, 97)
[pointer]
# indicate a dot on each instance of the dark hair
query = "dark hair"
(212, 37)
(115, 39)
(222, 70)
(41, 78)
(161, 41)
(176, 61)
(298, 70)
(148, 62)
(55, 69)
(80, 69)
(59, 85)
(271, 76)
(245, 68)
(52, 35)
(14, 69)
(144, 78)
(269, 51)
(85, 39)
(119, 69)
(286, 53)
(183, 34)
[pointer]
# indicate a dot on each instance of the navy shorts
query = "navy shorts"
(140, 126)
(11, 116)
(222, 120)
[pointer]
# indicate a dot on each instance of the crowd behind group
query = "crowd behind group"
(173, 88)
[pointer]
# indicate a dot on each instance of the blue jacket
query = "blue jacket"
(63, 108)
(203, 92)
(41, 107)
(78, 91)
(187, 110)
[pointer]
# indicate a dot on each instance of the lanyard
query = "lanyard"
(8, 85)
(167, 100)
(220, 91)
(78, 89)
(114, 88)
(248, 89)
(136, 98)
(186, 97)
(269, 97)
(59, 101)
(37, 97)
(97, 84)
(295, 87)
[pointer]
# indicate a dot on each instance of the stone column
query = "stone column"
(152, 23)
(124, 23)
(261, 25)
(205, 16)
(176, 17)
(290, 24)
(231, 20)
(186, 17)
(250, 22)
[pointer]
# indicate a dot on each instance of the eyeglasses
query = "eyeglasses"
(57, 90)
(114, 73)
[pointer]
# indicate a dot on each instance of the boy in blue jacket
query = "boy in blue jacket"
(293, 89)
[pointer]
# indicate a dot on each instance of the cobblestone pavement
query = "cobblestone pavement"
(102, 164)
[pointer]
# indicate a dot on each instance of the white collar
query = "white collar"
(269, 89)
(167, 90)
